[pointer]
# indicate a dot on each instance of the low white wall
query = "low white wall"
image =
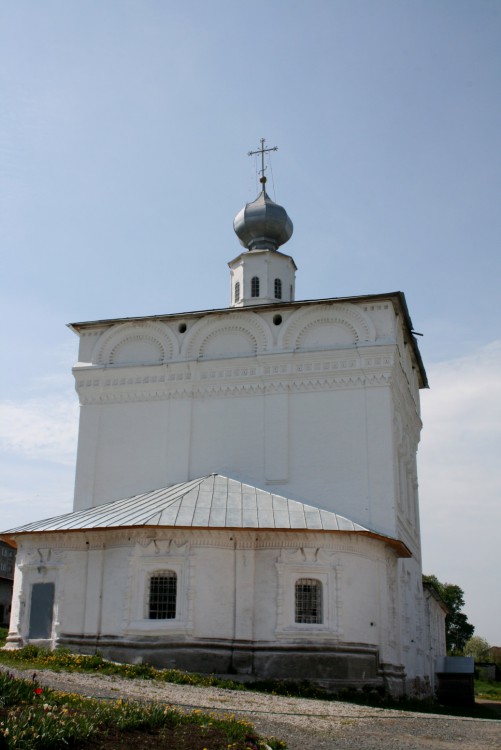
(233, 587)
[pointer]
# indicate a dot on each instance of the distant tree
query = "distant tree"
(478, 648)
(495, 655)
(457, 628)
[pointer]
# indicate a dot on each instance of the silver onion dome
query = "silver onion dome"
(263, 224)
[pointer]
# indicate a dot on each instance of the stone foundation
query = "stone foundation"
(332, 666)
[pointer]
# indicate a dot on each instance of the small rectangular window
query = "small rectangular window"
(162, 596)
(308, 600)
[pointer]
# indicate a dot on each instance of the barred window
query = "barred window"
(308, 600)
(162, 595)
(237, 291)
(278, 289)
(255, 286)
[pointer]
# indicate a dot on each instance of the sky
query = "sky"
(124, 132)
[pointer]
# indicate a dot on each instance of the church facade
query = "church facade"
(246, 488)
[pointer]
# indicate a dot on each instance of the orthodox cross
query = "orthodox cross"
(262, 151)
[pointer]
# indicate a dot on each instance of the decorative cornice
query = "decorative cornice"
(187, 337)
(166, 541)
(345, 315)
(254, 331)
(292, 373)
(155, 333)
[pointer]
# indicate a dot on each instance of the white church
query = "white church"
(246, 490)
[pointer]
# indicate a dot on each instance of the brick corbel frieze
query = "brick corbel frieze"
(302, 372)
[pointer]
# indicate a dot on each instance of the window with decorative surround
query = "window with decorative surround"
(237, 292)
(308, 593)
(159, 588)
(308, 601)
(278, 289)
(162, 597)
(255, 286)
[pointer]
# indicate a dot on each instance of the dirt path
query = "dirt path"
(303, 724)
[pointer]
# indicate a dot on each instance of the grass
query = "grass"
(36, 718)
(488, 690)
(33, 658)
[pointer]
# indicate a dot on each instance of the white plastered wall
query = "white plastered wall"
(280, 407)
(231, 586)
(243, 582)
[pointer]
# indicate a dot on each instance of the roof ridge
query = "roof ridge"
(167, 506)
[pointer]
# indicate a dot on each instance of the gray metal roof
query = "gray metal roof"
(263, 224)
(213, 501)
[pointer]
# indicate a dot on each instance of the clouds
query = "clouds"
(40, 429)
(38, 439)
(462, 430)
(460, 480)
(33, 491)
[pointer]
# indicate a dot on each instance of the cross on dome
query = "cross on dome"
(262, 275)
(262, 223)
(262, 151)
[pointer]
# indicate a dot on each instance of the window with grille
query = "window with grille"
(162, 595)
(308, 597)
(237, 291)
(278, 289)
(255, 286)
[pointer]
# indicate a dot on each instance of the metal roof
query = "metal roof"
(210, 502)
(84, 325)
(263, 224)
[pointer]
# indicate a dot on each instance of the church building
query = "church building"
(246, 489)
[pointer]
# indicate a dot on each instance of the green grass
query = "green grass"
(3, 636)
(33, 658)
(488, 690)
(36, 718)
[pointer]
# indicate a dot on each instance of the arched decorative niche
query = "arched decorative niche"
(136, 344)
(217, 338)
(327, 327)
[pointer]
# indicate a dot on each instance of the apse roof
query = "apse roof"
(210, 502)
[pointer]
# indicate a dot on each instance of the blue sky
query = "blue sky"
(124, 129)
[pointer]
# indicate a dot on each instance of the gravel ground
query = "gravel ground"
(303, 724)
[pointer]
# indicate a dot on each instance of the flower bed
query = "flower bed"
(35, 718)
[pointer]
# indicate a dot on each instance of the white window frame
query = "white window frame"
(328, 577)
(138, 620)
